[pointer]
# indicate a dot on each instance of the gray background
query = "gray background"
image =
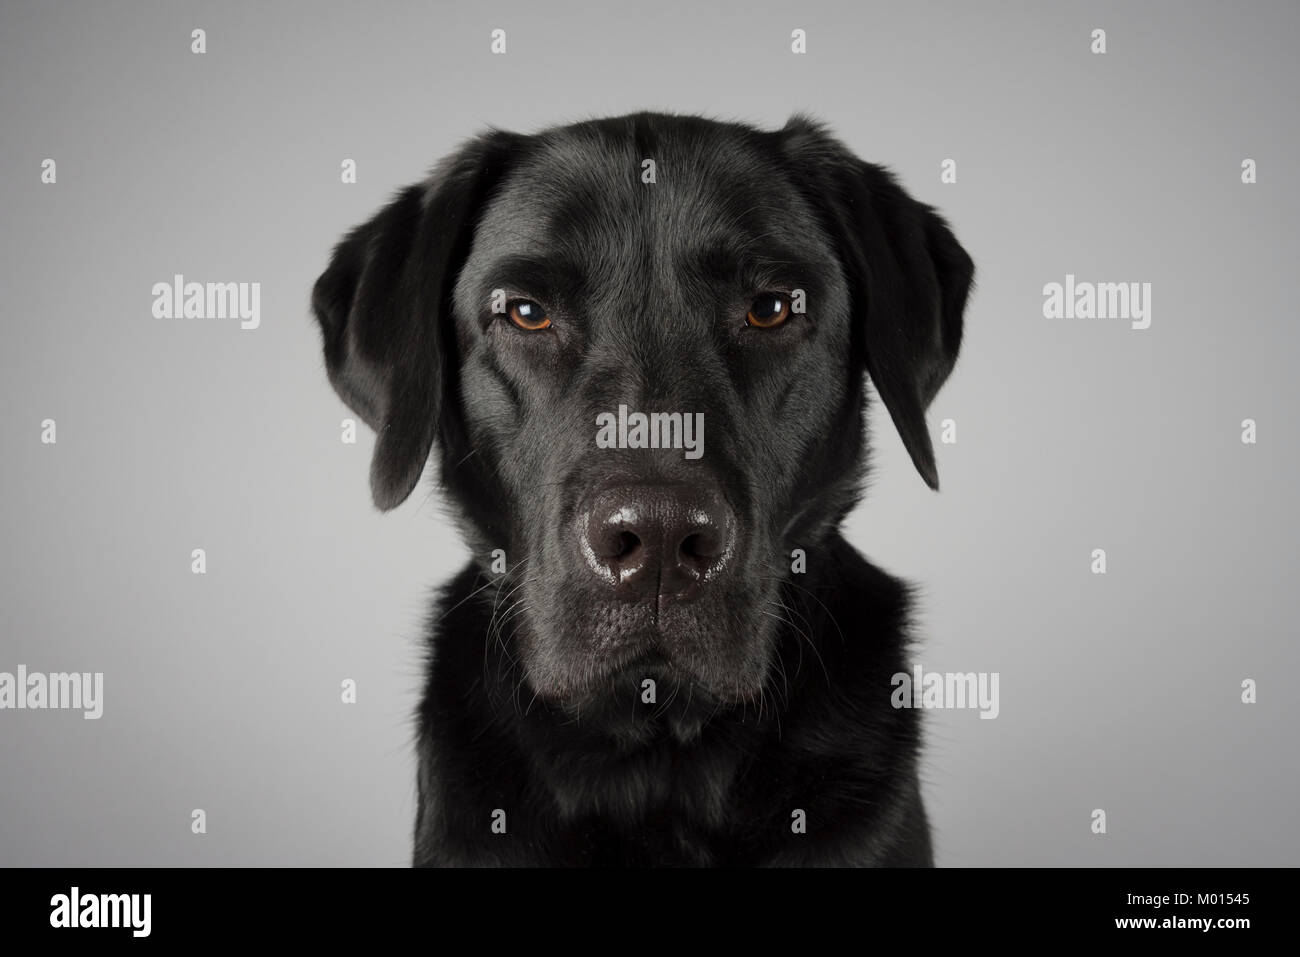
(222, 691)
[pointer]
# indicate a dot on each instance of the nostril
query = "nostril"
(626, 546)
(615, 545)
(701, 546)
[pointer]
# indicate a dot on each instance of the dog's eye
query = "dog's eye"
(528, 315)
(768, 310)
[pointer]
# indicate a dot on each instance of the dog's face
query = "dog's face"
(640, 345)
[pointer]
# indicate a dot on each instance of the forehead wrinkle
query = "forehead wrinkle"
(750, 264)
(542, 274)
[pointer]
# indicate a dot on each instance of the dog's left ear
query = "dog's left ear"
(383, 305)
(909, 278)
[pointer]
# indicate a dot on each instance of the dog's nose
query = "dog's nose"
(660, 542)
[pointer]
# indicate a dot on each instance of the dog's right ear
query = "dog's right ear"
(384, 299)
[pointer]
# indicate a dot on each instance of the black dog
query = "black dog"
(664, 652)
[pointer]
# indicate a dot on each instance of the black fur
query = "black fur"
(773, 688)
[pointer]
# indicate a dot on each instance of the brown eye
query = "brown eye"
(768, 310)
(528, 315)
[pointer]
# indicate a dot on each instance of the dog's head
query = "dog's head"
(639, 345)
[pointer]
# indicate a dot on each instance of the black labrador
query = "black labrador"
(639, 347)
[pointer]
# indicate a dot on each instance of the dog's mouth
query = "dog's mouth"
(574, 651)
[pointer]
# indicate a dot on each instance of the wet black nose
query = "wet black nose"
(650, 541)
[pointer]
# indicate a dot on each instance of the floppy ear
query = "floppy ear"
(383, 303)
(909, 280)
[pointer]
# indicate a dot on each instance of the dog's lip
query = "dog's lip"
(645, 644)
(649, 660)
(642, 655)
